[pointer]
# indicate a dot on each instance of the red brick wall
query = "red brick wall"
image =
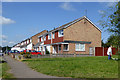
(47, 41)
(57, 39)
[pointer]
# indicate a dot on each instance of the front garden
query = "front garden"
(76, 67)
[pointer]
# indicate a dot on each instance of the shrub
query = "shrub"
(27, 55)
(47, 52)
(19, 57)
(22, 53)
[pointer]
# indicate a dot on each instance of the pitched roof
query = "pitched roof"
(73, 22)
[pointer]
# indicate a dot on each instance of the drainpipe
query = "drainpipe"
(94, 51)
(103, 51)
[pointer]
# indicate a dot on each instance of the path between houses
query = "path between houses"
(21, 70)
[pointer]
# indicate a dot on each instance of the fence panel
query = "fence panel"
(98, 51)
(114, 50)
(105, 51)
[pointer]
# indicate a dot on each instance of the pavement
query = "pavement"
(21, 70)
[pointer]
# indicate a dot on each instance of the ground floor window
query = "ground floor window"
(65, 47)
(59, 47)
(79, 47)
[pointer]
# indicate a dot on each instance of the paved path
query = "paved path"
(21, 70)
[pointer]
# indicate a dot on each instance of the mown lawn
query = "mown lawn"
(76, 67)
(4, 68)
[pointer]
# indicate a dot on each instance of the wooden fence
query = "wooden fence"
(101, 51)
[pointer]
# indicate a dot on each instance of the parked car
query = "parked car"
(14, 51)
(1, 54)
(33, 52)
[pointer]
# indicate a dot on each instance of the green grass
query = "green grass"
(4, 68)
(76, 67)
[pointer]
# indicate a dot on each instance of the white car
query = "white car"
(1, 54)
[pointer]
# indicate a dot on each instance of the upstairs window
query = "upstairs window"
(49, 36)
(41, 39)
(44, 38)
(53, 35)
(38, 40)
(60, 33)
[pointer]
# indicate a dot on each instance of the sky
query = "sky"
(21, 20)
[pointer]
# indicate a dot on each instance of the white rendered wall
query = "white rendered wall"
(16, 48)
(29, 46)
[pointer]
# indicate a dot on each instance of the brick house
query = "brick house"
(35, 40)
(78, 36)
(25, 44)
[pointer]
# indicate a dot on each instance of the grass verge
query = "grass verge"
(76, 67)
(4, 68)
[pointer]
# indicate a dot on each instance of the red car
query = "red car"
(33, 52)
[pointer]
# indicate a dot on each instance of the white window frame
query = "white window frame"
(60, 32)
(30, 40)
(38, 40)
(49, 36)
(79, 49)
(44, 38)
(59, 47)
(53, 35)
(63, 47)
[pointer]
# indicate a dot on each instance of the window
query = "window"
(65, 47)
(53, 35)
(59, 47)
(80, 47)
(41, 39)
(30, 40)
(49, 36)
(60, 33)
(44, 38)
(38, 40)
(77, 47)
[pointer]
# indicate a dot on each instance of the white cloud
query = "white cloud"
(67, 6)
(11, 42)
(3, 37)
(110, 4)
(4, 20)
(4, 41)
(101, 11)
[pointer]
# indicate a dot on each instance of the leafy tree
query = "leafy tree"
(112, 40)
(6, 47)
(112, 24)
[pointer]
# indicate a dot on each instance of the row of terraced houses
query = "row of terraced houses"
(79, 36)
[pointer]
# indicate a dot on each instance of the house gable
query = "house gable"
(83, 30)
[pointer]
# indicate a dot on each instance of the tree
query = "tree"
(112, 40)
(6, 47)
(112, 24)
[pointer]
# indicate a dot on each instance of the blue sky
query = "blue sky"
(22, 20)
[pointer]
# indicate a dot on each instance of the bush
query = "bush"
(27, 55)
(47, 52)
(19, 57)
(22, 53)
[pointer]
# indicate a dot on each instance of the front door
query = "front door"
(54, 49)
(91, 50)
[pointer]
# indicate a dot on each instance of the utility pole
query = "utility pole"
(6, 49)
(86, 12)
